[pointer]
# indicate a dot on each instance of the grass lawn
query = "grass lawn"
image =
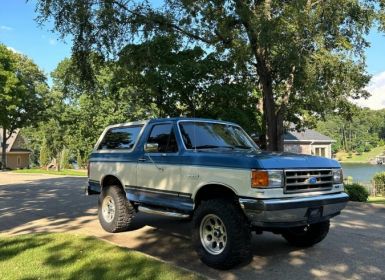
(376, 199)
(70, 256)
(71, 172)
(364, 157)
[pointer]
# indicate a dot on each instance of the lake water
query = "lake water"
(361, 172)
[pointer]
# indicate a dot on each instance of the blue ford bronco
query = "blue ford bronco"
(212, 171)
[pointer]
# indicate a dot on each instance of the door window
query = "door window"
(164, 136)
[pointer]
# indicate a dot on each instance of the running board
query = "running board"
(162, 212)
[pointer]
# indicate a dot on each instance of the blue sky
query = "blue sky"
(19, 31)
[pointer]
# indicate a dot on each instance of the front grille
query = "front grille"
(308, 180)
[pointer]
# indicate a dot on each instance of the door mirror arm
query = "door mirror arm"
(152, 148)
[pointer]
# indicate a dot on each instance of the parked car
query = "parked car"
(213, 172)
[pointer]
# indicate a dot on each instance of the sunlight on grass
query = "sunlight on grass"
(70, 172)
(69, 256)
(376, 199)
(364, 157)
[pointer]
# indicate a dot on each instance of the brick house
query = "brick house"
(17, 156)
(308, 142)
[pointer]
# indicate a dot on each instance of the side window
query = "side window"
(120, 138)
(164, 136)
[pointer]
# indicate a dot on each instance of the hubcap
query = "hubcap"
(213, 234)
(108, 209)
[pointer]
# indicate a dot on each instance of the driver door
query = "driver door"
(159, 169)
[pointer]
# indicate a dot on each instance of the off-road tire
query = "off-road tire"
(300, 237)
(124, 210)
(238, 246)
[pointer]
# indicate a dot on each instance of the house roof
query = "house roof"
(11, 142)
(308, 135)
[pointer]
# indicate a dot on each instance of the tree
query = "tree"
(355, 130)
(152, 79)
(187, 82)
(44, 154)
(64, 159)
(22, 91)
(307, 56)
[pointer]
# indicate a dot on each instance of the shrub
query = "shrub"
(65, 159)
(44, 154)
(379, 178)
(357, 192)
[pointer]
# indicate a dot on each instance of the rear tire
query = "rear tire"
(221, 234)
(307, 236)
(115, 212)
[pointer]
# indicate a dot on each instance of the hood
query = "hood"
(261, 160)
(292, 161)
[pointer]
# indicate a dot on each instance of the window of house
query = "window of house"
(164, 136)
(120, 138)
(18, 161)
(320, 151)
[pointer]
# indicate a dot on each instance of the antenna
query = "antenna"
(194, 127)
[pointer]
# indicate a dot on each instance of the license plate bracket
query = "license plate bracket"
(314, 213)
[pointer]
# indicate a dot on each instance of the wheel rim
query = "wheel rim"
(213, 234)
(108, 209)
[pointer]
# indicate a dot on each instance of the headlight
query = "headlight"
(338, 176)
(266, 178)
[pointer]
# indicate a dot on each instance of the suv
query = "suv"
(213, 172)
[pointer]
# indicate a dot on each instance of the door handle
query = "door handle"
(142, 159)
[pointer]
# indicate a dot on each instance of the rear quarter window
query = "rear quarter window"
(120, 138)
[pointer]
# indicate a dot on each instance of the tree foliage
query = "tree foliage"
(357, 130)
(43, 155)
(22, 91)
(306, 57)
(146, 81)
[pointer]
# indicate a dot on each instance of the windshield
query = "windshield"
(210, 135)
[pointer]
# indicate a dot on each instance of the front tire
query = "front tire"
(307, 236)
(221, 234)
(115, 212)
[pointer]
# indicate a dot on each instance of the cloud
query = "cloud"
(376, 88)
(52, 42)
(5, 28)
(14, 50)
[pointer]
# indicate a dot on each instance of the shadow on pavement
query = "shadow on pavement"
(58, 202)
(354, 248)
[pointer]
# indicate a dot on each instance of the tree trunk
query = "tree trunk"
(3, 150)
(272, 117)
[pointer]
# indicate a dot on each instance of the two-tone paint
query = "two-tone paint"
(173, 180)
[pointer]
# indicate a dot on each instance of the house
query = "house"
(308, 142)
(17, 156)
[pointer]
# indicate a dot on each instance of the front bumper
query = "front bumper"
(291, 212)
(93, 187)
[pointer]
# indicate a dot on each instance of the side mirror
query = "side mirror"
(151, 147)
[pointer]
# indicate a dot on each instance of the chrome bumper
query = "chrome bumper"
(290, 212)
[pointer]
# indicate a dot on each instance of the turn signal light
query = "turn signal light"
(259, 179)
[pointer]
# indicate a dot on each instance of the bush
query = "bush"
(65, 159)
(379, 178)
(357, 192)
(44, 154)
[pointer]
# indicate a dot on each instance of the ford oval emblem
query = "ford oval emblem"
(312, 180)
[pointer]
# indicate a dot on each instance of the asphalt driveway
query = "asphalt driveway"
(354, 248)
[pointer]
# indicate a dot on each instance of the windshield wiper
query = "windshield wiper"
(242, 147)
(212, 147)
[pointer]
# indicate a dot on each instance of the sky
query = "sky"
(20, 32)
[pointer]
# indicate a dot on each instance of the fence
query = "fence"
(374, 189)
(377, 189)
